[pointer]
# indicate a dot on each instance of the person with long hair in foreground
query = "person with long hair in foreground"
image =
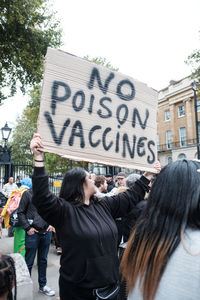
(162, 258)
(86, 226)
(7, 278)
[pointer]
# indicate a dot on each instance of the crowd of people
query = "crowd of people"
(155, 215)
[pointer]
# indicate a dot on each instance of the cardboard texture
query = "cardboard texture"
(90, 113)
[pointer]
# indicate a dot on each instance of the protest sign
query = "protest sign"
(90, 113)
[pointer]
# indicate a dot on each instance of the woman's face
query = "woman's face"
(89, 187)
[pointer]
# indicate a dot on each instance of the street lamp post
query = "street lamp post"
(6, 131)
(5, 152)
(194, 88)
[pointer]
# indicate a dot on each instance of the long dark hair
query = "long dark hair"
(7, 276)
(173, 205)
(72, 185)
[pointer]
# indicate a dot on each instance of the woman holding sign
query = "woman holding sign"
(89, 259)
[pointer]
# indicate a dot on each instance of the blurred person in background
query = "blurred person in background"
(110, 182)
(101, 187)
(9, 187)
(37, 239)
(19, 232)
(7, 190)
(121, 179)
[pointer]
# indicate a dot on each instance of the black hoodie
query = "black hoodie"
(88, 232)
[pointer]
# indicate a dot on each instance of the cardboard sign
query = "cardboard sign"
(90, 113)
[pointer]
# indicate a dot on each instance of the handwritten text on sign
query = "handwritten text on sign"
(91, 113)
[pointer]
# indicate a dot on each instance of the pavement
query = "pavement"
(6, 247)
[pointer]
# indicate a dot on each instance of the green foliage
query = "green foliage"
(194, 61)
(56, 164)
(27, 28)
(101, 61)
(26, 126)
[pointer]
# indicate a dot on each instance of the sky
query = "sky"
(148, 40)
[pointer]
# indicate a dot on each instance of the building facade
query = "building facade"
(176, 137)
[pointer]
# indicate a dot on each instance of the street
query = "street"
(6, 247)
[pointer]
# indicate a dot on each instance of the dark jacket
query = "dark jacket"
(88, 232)
(130, 220)
(3, 200)
(111, 185)
(28, 214)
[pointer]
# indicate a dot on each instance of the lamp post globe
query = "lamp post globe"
(6, 131)
(5, 154)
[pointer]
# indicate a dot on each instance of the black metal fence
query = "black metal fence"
(5, 170)
(55, 182)
(20, 170)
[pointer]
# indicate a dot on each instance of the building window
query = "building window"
(198, 105)
(158, 142)
(181, 111)
(169, 160)
(181, 156)
(169, 139)
(167, 115)
(183, 137)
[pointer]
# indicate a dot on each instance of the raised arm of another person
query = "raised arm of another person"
(49, 206)
(120, 205)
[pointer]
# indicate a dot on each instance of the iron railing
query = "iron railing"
(20, 170)
(177, 144)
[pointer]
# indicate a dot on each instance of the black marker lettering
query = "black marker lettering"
(117, 143)
(122, 96)
(82, 102)
(126, 143)
(91, 104)
(106, 108)
(95, 74)
(123, 120)
(77, 130)
(151, 161)
(92, 130)
(57, 139)
(54, 94)
(141, 145)
(106, 147)
(137, 114)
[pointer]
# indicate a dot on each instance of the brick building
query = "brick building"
(176, 137)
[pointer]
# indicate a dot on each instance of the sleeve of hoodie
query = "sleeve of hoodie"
(120, 205)
(50, 207)
(22, 209)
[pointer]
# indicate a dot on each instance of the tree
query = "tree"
(27, 28)
(101, 61)
(194, 61)
(26, 126)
